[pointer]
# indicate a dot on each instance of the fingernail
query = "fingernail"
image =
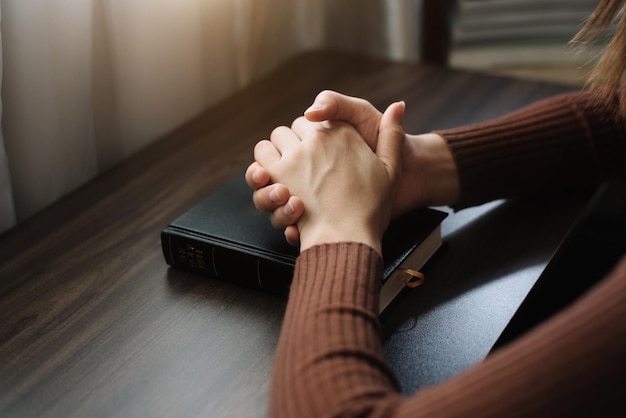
(275, 196)
(256, 176)
(289, 209)
(399, 115)
(315, 107)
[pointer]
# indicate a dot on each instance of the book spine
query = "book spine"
(230, 265)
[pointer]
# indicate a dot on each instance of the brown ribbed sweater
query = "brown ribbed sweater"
(330, 359)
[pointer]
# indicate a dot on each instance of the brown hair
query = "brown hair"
(608, 17)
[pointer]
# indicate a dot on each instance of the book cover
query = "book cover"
(225, 237)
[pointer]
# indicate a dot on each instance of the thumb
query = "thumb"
(391, 138)
(330, 105)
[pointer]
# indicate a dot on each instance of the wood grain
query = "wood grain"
(95, 324)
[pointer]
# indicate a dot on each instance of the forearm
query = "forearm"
(330, 354)
(564, 141)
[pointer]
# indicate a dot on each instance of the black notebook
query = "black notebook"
(225, 237)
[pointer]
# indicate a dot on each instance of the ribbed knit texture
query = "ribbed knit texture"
(330, 361)
(563, 141)
(330, 342)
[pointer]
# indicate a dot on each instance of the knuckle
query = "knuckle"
(301, 120)
(259, 145)
(279, 130)
(325, 94)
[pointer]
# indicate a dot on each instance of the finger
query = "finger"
(304, 128)
(288, 214)
(257, 176)
(284, 139)
(391, 138)
(266, 154)
(270, 198)
(330, 105)
(292, 235)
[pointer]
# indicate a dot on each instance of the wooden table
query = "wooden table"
(94, 323)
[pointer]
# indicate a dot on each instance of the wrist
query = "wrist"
(335, 232)
(431, 162)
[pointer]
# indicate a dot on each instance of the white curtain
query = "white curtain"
(7, 212)
(86, 83)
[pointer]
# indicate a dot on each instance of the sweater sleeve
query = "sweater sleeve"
(569, 140)
(330, 361)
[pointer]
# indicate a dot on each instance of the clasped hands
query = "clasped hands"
(344, 169)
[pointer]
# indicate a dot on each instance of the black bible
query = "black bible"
(225, 237)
